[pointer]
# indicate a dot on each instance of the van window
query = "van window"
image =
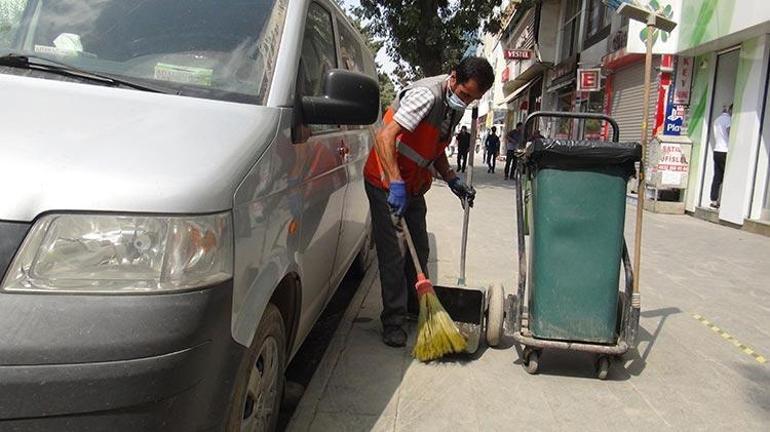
(10, 16)
(350, 50)
(318, 53)
(207, 48)
(318, 56)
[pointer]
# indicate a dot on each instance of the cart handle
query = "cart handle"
(536, 114)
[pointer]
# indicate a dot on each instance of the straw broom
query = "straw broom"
(437, 334)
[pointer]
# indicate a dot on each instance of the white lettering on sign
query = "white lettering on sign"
(683, 81)
(517, 54)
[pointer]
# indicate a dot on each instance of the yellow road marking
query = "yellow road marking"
(726, 336)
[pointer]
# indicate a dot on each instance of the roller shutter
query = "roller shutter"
(627, 97)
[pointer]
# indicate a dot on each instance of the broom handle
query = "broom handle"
(411, 248)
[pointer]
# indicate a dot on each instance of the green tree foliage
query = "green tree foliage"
(387, 88)
(387, 91)
(427, 37)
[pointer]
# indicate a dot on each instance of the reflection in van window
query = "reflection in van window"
(350, 51)
(318, 54)
(224, 46)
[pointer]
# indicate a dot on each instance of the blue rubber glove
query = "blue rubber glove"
(397, 197)
(466, 193)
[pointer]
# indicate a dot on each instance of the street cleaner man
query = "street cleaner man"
(416, 129)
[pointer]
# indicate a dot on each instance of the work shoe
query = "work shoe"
(394, 336)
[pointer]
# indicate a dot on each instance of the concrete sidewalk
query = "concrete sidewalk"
(683, 376)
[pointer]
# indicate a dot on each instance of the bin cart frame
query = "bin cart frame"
(518, 316)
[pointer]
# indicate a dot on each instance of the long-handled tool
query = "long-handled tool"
(437, 334)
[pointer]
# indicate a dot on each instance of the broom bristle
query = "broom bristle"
(437, 334)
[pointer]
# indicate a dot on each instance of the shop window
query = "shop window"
(597, 22)
(570, 30)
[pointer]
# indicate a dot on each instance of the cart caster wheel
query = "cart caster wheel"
(495, 315)
(603, 367)
(531, 361)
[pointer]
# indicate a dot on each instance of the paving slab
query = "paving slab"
(683, 375)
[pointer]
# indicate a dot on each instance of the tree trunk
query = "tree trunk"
(429, 59)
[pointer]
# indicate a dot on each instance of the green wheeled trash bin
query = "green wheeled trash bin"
(578, 214)
(576, 219)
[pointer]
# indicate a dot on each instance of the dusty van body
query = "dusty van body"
(181, 192)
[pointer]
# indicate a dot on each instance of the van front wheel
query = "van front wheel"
(259, 384)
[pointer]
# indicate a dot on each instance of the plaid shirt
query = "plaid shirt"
(414, 107)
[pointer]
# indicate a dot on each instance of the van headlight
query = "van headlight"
(87, 253)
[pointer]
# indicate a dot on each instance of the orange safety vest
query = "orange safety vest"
(416, 151)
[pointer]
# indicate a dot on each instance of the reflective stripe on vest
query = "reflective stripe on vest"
(412, 155)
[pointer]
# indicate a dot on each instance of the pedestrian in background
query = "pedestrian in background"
(463, 146)
(492, 144)
(721, 131)
(513, 142)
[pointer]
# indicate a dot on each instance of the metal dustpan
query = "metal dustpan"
(476, 311)
(466, 307)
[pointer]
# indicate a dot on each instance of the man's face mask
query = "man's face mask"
(454, 101)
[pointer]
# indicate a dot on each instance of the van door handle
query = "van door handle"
(344, 150)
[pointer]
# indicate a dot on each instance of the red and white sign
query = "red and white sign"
(683, 81)
(517, 54)
(589, 80)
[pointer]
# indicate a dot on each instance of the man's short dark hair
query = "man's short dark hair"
(477, 68)
(494, 129)
(463, 128)
(519, 124)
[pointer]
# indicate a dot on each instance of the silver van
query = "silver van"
(181, 192)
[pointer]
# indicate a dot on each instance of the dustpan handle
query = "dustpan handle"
(469, 182)
(410, 246)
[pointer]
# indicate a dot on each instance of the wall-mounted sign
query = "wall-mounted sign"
(589, 79)
(683, 81)
(517, 54)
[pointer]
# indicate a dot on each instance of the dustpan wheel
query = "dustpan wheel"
(495, 315)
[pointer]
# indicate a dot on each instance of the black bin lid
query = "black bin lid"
(566, 153)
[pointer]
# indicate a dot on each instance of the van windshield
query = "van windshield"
(222, 49)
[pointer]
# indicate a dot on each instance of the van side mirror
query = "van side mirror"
(350, 98)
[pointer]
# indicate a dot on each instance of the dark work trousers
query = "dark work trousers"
(462, 161)
(397, 273)
(719, 174)
(491, 160)
(510, 164)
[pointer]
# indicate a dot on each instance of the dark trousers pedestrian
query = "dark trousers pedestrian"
(462, 161)
(397, 274)
(491, 161)
(719, 174)
(510, 164)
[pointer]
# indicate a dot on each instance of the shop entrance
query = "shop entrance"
(723, 96)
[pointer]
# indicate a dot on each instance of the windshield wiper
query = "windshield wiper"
(24, 61)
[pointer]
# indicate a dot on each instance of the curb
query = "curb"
(306, 410)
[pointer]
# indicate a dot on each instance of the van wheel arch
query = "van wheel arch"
(287, 297)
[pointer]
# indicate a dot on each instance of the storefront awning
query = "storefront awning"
(523, 81)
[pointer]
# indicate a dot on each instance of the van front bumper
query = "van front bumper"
(118, 363)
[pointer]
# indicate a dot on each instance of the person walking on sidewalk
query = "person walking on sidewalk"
(493, 149)
(463, 146)
(416, 129)
(513, 142)
(721, 132)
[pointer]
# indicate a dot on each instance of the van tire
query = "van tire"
(266, 358)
